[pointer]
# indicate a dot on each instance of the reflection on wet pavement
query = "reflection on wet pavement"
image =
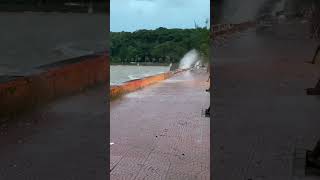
(262, 113)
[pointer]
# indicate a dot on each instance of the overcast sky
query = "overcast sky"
(132, 15)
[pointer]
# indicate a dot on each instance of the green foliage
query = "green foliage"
(159, 45)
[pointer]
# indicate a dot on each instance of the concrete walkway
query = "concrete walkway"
(263, 118)
(64, 140)
(159, 132)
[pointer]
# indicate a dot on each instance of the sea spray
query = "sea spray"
(197, 64)
(189, 59)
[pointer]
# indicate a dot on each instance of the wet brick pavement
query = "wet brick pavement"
(159, 132)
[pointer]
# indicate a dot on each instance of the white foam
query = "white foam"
(189, 59)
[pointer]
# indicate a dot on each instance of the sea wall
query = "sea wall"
(52, 81)
(222, 29)
(133, 85)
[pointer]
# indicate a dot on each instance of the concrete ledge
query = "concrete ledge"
(134, 85)
(52, 81)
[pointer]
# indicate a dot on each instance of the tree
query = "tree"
(159, 43)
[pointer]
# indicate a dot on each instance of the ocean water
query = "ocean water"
(47, 38)
(123, 73)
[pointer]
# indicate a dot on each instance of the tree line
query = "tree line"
(161, 45)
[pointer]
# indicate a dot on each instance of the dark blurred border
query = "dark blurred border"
(213, 4)
(94, 6)
(108, 95)
(76, 6)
